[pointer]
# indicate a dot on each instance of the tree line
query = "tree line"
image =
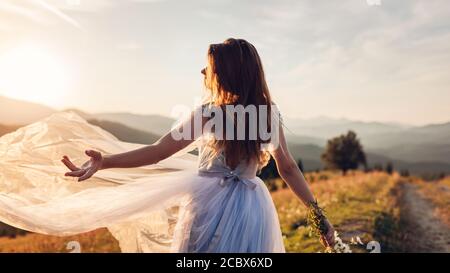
(344, 152)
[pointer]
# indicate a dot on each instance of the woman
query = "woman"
(221, 206)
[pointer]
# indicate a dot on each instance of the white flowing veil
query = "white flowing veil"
(138, 205)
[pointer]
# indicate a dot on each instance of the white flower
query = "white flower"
(359, 240)
(340, 246)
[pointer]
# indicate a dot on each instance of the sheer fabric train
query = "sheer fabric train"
(181, 204)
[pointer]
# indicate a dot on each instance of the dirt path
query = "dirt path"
(426, 233)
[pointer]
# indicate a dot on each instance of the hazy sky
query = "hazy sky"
(385, 60)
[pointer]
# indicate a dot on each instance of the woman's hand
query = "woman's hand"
(328, 239)
(88, 169)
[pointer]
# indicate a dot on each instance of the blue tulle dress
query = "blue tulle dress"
(185, 203)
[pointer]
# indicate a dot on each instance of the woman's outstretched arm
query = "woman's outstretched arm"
(151, 154)
(292, 175)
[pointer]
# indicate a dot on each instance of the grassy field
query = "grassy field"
(368, 205)
(95, 241)
(358, 205)
(438, 193)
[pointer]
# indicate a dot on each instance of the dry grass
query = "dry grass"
(355, 203)
(438, 193)
(358, 204)
(95, 241)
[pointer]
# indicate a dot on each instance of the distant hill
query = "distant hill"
(425, 152)
(414, 147)
(429, 134)
(325, 128)
(419, 167)
(429, 143)
(310, 155)
(125, 133)
(155, 124)
(14, 111)
(4, 129)
(299, 139)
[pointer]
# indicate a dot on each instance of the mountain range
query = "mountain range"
(429, 143)
(416, 148)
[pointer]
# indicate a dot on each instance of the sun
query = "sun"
(30, 72)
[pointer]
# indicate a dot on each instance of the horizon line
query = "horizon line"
(334, 118)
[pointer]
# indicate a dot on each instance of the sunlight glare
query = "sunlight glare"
(31, 73)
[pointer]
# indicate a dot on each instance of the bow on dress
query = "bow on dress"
(231, 177)
(228, 177)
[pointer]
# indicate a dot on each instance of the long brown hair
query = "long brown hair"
(235, 76)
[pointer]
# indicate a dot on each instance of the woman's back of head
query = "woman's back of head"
(235, 78)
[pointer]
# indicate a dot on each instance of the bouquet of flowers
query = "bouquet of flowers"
(316, 219)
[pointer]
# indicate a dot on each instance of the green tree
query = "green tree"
(378, 167)
(300, 164)
(404, 173)
(389, 168)
(269, 171)
(344, 152)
